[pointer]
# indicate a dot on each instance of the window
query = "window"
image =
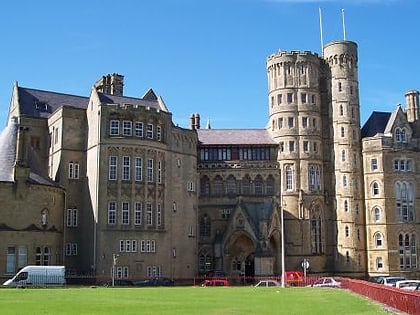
(341, 110)
(56, 135)
(346, 206)
(342, 132)
(205, 263)
(344, 181)
(159, 172)
(314, 123)
(112, 213)
(204, 185)
(289, 98)
(374, 164)
(402, 165)
(343, 155)
(314, 178)
(149, 132)
(280, 122)
(408, 251)
(125, 213)
(246, 185)
(153, 271)
(139, 169)
(158, 214)
(231, 185)
(225, 213)
(313, 99)
(377, 214)
(127, 128)
(42, 256)
(340, 88)
(272, 101)
(121, 272)
(71, 249)
(114, 127)
(305, 146)
(149, 214)
(305, 122)
(281, 146)
(315, 147)
(139, 129)
(404, 199)
(347, 231)
(303, 98)
(259, 185)
(205, 226)
(291, 146)
(126, 168)
(74, 170)
(400, 135)
(150, 170)
(11, 259)
(279, 99)
(128, 246)
(113, 160)
(270, 185)
(291, 122)
(379, 263)
(378, 238)
(316, 240)
(148, 246)
(138, 213)
(289, 177)
(218, 186)
(159, 133)
(190, 186)
(72, 218)
(375, 189)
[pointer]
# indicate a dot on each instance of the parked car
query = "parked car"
(268, 283)
(215, 283)
(390, 280)
(409, 285)
(155, 282)
(375, 279)
(326, 282)
(119, 283)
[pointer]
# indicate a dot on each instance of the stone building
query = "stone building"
(122, 188)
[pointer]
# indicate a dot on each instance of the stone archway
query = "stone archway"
(239, 257)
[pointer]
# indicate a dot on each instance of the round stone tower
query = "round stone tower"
(295, 123)
(347, 179)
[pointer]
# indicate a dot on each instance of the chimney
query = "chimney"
(195, 121)
(112, 84)
(412, 105)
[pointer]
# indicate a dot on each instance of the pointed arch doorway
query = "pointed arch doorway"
(239, 258)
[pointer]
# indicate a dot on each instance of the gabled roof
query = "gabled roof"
(376, 124)
(234, 137)
(39, 103)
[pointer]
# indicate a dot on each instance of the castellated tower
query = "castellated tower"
(346, 182)
(296, 124)
(412, 105)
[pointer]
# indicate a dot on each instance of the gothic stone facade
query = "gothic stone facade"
(127, 183)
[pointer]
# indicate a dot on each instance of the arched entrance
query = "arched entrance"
(239, 258)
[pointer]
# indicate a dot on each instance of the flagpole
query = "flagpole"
(320, 32)
(344, 24)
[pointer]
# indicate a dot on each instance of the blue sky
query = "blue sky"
(202, 56)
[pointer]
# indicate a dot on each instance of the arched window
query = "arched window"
(218, 186)
(246, 185)
(377, 214)
(205, 226)
(379, 239)
(314, 178)
(205, 263)
(408, 251)
(270, 185)
(404, 200)
(204, 185)
(289, 177)
(375, 189)
(259, 185)
(231, 186)
(316, 238)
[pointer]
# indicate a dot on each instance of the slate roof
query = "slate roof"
(115, 99)
(39, 103)
(376, 124)
(235, 137)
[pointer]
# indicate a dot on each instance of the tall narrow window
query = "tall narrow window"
(139, 129)
(289, 177)
(127, 128)
(139, 169)
(126, 168)
(204, 185)
(113, 160)
(125, 213)
(112, 213)
(314, 178)
(72, 218)
(375, 189)
(158, 214)
(158, 133)
(159, 172)
(73, 170)
(22, 256)
(205, 226)
(378, 238)
(149, 132)
(316, 241)
(149, 214)
(11, 259)
(138, 213)
(114, 127)
(404, 199)
(150, 170)
(408, 251)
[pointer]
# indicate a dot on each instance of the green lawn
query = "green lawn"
(185, 300)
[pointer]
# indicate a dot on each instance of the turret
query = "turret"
(412, 105)
(112, 84)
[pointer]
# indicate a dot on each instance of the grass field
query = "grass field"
(185, 300)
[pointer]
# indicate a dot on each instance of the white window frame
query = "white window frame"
(72, 218)
(112, 212)
(139, 169)
(149, 131)
(138, 213)
(127, 128)
(125, 213)
(113, 167)
(126, 168)
(150, 170)
(74, 168)
(139, 129)
(114, 127)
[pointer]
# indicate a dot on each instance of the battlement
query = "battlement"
(293, 54)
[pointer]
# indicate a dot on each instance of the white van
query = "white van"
(38, 276)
